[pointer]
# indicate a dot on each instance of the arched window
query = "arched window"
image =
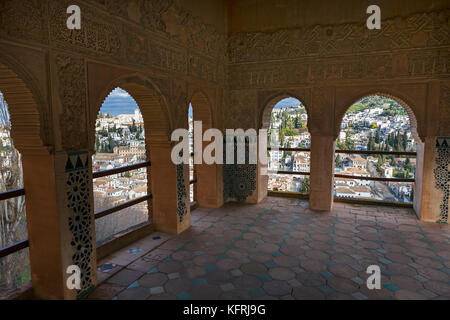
(119, 145)
(289, 142)
(15, 267)
(191, 151)
(202, 187)
(376, 143)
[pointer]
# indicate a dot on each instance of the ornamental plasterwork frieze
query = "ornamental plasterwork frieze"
(24, 20)
(166, 58)
(99, 35)
(111, 32)
(424, 30)
(171, 21)
(418, 64)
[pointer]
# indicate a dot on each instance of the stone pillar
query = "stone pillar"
(431, 200)
(207, 189)
(263, 181)
(60, 221)
(209, 193)
(417, 201)
(322, 171)
(170, 190)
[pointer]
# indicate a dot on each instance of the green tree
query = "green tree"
(281, 136)
(304, 187)
(97, 143)
(404, 140)
(379, 163)
(371, 143)
(338, 161)
(377, 136)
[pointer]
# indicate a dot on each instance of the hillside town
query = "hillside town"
(375, 123)
(119, 141)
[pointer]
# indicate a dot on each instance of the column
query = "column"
(170, 190)
(60, 221)
(432, 190)
(322, 172)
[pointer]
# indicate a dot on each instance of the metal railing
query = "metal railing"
(12, 194)
(344, 176)
(99, 174)
(15, 247)
(300, 173)
(389, 153)
(105, 173)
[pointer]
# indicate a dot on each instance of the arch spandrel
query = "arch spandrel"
(202, 107)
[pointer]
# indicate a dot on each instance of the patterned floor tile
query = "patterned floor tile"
(279, 249)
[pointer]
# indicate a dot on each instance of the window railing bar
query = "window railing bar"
(398, 153)
(104, 173)
(12, 194)
(289, 149)
(122, 206)
(299, 173)
(344, 176)
(14, 248)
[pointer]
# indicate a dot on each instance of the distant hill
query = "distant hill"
(288, 102)
(390, 106)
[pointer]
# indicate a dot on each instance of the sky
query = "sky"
(119, 102)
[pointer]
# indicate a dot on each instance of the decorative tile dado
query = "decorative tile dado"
(80, 217)
(239, 180)
(181, 193)
(442, 175)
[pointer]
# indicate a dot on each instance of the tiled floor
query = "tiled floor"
(279, 249)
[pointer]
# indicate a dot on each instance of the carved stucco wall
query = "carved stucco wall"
(327, 66)
(153, 37)
(324, 58)
(162, 37)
